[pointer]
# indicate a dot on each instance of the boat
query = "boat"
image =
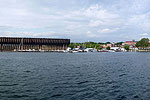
(111, 51)
(103, 51)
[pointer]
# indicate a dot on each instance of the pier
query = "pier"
(37, 44)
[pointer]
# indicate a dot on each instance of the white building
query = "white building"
(90, 50)
(115, 48)
(68, 49)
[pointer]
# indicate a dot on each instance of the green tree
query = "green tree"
(108, 43)
(127, 47)
(108, 48)
(101, 43)
(118, 43)
(71, 45)
(87, 45)
(143, 43)
(97, 46)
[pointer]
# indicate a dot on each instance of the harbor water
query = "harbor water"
(74, 76)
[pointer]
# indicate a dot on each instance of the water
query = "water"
(80, 76)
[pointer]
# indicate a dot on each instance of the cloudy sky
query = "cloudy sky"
(79, 20)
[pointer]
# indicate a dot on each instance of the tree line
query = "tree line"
(91, 44)
(142, 44)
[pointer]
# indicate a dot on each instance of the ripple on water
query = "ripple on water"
(95, 76)
(5, 85)
(83, 82)
(56, 95)
(122, 75)
(27, 71)
(110, 82)
(17, 96)
(121, 97)
(6, 92)
(136, 96)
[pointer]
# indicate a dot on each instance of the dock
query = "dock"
(32, 44)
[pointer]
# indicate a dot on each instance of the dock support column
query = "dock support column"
(1, 47)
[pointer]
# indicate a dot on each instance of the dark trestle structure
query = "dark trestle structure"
(20, 44)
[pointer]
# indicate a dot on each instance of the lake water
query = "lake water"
(75, 76)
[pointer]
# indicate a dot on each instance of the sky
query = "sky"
(78, 20)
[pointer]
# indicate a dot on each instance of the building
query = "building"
(106, 45)
(109, 45)
(115, 48)
(131, 43)
(37, 44)
(81, 47)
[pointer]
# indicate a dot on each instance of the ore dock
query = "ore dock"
(33, 44)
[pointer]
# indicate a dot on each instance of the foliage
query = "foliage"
(144, 42)
(119, 43)
(71, 45)
(127, 47)
(108, 48)
(108, 43)
(101, 43)
(86, 45)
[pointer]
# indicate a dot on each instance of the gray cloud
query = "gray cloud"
(82, 20)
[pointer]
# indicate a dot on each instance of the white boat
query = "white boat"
(111, 51)
(74, 51)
